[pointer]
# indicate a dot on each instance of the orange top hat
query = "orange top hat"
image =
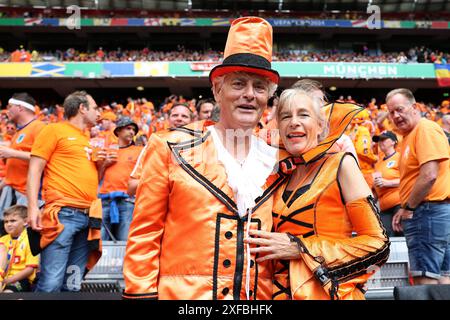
(248, 49)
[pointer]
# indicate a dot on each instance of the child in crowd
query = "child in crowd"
(17, 264)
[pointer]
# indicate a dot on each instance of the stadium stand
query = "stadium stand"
(127, 50)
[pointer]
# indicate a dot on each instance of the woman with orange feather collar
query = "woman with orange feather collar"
(317, 209)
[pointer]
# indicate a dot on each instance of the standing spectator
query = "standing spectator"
(204, 109)
(387, 179)
(17, 264)
(325, 199)
(100, 54)
(117, 205)
(192, 213)
(362, 141)
(21, 111)
(424, 190)
(108, 119)
(71, 220)
(446, 125)
(180, 115)
(10, 132)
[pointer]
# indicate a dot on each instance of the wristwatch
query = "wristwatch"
(407, 207)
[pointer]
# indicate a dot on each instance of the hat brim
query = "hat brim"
(130, 124)
(220, 70)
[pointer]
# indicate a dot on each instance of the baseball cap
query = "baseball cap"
(385, 135)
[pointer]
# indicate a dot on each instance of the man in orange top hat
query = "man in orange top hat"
(202, 184)
(17, 155)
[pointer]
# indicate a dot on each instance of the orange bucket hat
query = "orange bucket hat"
(248, 49)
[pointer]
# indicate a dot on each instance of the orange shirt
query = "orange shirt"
(137, 170)
(69, 168)
(388, 197)
(109, 137)
(426, 142)
(117, 176)
(17, 169)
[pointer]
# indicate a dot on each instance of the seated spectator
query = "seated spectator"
(17, 264)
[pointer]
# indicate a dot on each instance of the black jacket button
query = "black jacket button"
(228, 234)
(226, 263)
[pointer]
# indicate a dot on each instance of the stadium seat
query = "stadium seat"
(393, 274)
(107, 274)
(424, 292)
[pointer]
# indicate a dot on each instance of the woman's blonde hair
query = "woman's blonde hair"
(286, 100)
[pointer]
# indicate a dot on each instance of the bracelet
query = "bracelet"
(407, 207)
(293, 238)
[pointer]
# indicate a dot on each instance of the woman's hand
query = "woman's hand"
(272, 245)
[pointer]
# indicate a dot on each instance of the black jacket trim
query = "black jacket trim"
(285, 264)
(140, 296)
(359, 266)
(282, 289)
(195, 133)
(288, 218)
(240, 256)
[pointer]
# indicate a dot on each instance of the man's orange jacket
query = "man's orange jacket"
(186, 237)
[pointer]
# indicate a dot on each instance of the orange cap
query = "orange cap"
(108, 116)
(248, 49)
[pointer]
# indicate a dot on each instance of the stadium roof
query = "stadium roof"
(272, 5)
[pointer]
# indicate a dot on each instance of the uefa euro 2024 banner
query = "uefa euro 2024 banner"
(96, 70)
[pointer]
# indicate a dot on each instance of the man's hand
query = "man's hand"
(273, 245)
(380, 182)
(401, 214)
(6, 152)
(34, 218)
(111, 158)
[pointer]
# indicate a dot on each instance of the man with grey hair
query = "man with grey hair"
(21, 111)
(424, 216)
(203, 186)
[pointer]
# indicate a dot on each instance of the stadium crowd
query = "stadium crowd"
(20, 12)
(141, 119)
(72, 175)
(413, 55)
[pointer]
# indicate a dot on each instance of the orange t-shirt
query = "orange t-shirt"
(137, 169)
(69, 168)
(388, 197)
(117, 175)
(17, 169)
(109, 137)
(426, 142)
